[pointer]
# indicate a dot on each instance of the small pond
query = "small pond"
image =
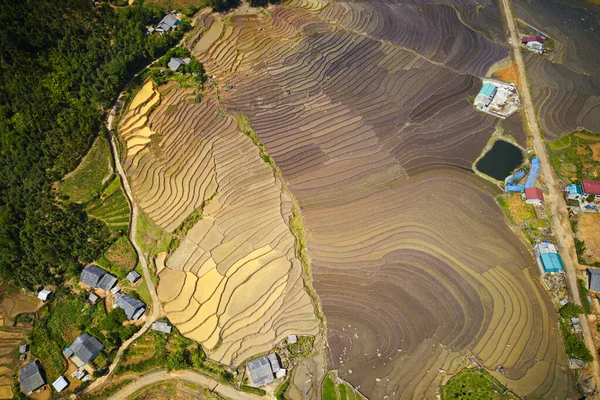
(500, 160)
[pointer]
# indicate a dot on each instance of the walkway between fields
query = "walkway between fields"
(186, 375)
(141, 256)
(555, 200)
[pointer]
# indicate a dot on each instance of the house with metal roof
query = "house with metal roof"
(23, 348)
(133, 277)
(574, 191)
(534, 196)
(95, 277)
(161, 327)
(536, 46)
(529, 39)
(133, 308)
(591, 187)
(168, 22)
(593, 279)
(93, 298)
(175, 63)
(291, 339)
(44, 295)
(31, 377)
(263, 370)
(84, 349)
(547, 257)
(60, 384)
(486, 95)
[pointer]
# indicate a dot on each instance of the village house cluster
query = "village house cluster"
(99, 285)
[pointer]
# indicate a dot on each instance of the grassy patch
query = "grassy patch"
(67, 319)
(329, 392)
(88, 179)
(583, 292)
(119, 258)
(47, 351)
(150, 236)
(504, 205)
(253, 390)
(112, 207)
(519, 210)
(475, 384)
(342, 391)
(302, 347)
(280, 392)
(576, 156)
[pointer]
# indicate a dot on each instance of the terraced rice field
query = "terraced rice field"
(112, 207)
(234, 283)
(566, 85)
(364, 108)
(10, 340)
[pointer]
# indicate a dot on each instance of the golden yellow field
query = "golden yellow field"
(233, 283)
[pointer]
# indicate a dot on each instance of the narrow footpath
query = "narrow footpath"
(554, 197)
(149, 319)
(225, 391)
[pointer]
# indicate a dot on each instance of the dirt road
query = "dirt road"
(554, 198)
(149, 319)
(190, 376)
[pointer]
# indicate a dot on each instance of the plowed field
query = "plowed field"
(364, 108)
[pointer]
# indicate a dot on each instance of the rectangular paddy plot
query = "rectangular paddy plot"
(364, 108)
(234, 283)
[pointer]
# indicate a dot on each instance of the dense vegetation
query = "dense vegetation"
(475, 384)
(62, 62)
(574, 346)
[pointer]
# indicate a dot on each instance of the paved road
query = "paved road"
(189, 376)
(141, 256)
(554, 197)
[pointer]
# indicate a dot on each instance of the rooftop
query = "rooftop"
(263, 369)
(95, 277)
(161, 327)
(44, 294)
(133, 276)
(546, 247)
(133, 308)
(591, 187)
(60, 384)
(574, 188)
(488, 89)
(534, 193)
(86, 347)
(31, 377)
(594, 279)
(551, 262)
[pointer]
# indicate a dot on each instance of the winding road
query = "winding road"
(186, 375)
(149, 319)
(554, 197)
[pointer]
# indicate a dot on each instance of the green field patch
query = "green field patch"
(119, 258)
(329, 392)
(576, 156)
(150, 236)
(475, 384)
(88, 179)
(112, 207)
(48, 352)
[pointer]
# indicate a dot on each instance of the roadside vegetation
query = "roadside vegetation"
(576, 156)
(475, 384)
(50, 117)
(171, 351)
(574, 346)
(66, 317)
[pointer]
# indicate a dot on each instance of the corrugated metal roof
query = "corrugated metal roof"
(86, 347)
(534, 193)
(574, 188)
(591, 187)
(133, 308)
(30, 377)
(60, 384)
(488, 89)
(260, 371)
(551, 262)
(594, 279)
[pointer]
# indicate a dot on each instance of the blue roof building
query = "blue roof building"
(485, 96)
(488, 90)
(574, 191)
(551, 262)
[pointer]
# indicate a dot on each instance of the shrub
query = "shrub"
(250, 389)
(570, 310)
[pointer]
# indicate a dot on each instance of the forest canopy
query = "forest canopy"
(62, 63)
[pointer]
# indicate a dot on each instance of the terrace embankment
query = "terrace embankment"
(364, 108)
(234, 283)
